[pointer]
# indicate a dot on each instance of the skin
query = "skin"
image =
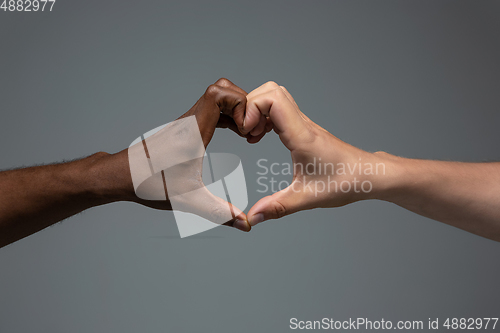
(463, 195)
(37, 197)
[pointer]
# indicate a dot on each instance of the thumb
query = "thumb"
(284, 202)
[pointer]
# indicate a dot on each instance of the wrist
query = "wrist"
(109, 177)
(389, 184)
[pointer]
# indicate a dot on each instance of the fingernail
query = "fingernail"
(256, 219)
(242, 225)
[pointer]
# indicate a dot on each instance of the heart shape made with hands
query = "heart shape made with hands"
(170, 162)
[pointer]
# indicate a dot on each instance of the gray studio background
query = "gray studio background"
(414, 78)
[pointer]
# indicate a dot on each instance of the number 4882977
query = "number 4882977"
(27, 5)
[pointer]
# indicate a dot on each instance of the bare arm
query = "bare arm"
(34, 198)
(464, 195)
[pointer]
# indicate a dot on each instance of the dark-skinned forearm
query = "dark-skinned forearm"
(34, 198)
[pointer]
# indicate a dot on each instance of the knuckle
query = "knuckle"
(223, 82)
(279, 93)
(279, 209)
(212, 90)
(271, 85)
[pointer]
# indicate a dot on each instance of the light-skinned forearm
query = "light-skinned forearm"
(464, 195)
